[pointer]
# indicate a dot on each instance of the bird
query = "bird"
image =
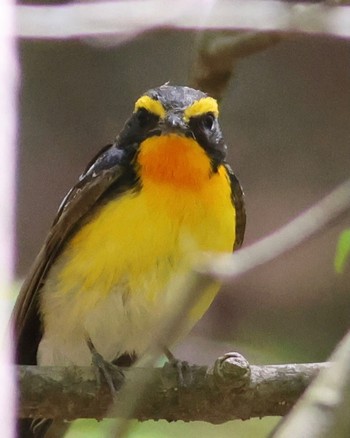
(141, 211)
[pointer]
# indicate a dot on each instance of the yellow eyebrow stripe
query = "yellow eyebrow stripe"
(151, 105)
(200, 107)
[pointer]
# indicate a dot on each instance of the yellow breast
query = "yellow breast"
(139, 240)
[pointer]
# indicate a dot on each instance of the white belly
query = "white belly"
(115, 326)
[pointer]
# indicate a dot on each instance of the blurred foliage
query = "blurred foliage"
(342, 252)
(163, 429)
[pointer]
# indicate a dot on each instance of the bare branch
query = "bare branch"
(8, 98)
(130, 18)
(219, 52)
(323, 412)
(231, 390)
(228, 267)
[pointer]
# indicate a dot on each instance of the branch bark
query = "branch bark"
(232, 389)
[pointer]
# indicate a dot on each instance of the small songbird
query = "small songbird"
(145, 205)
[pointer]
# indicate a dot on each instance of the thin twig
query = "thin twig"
(228, 267)
(218, 53)
(130, 18)
(323, 412)
(8, 98)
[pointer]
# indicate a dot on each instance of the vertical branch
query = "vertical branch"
(218, 53)
(323, 411)
(8, 88)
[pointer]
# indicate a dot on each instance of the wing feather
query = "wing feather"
(238, 201)
(106, 172)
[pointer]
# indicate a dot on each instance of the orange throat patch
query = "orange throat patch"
(174, 160)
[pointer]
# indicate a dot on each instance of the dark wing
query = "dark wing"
(237, 196)
(112, 171)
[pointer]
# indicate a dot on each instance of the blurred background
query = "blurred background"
(285, 118)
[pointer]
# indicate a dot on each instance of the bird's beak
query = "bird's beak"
(174, 124)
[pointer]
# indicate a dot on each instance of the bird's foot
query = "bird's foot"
(182, 369)
(112, 374)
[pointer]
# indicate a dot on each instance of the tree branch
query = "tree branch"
(219, 52)
(227, 268)
(230, 390)
(8, 103)
(323, 411)
(130, 18)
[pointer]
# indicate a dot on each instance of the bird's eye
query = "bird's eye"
(145, 118)
(208, 120)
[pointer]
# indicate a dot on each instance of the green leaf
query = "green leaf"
(342, 252)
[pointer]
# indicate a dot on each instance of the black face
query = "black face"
(204, 128)
(208, 134)
(138, 127)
